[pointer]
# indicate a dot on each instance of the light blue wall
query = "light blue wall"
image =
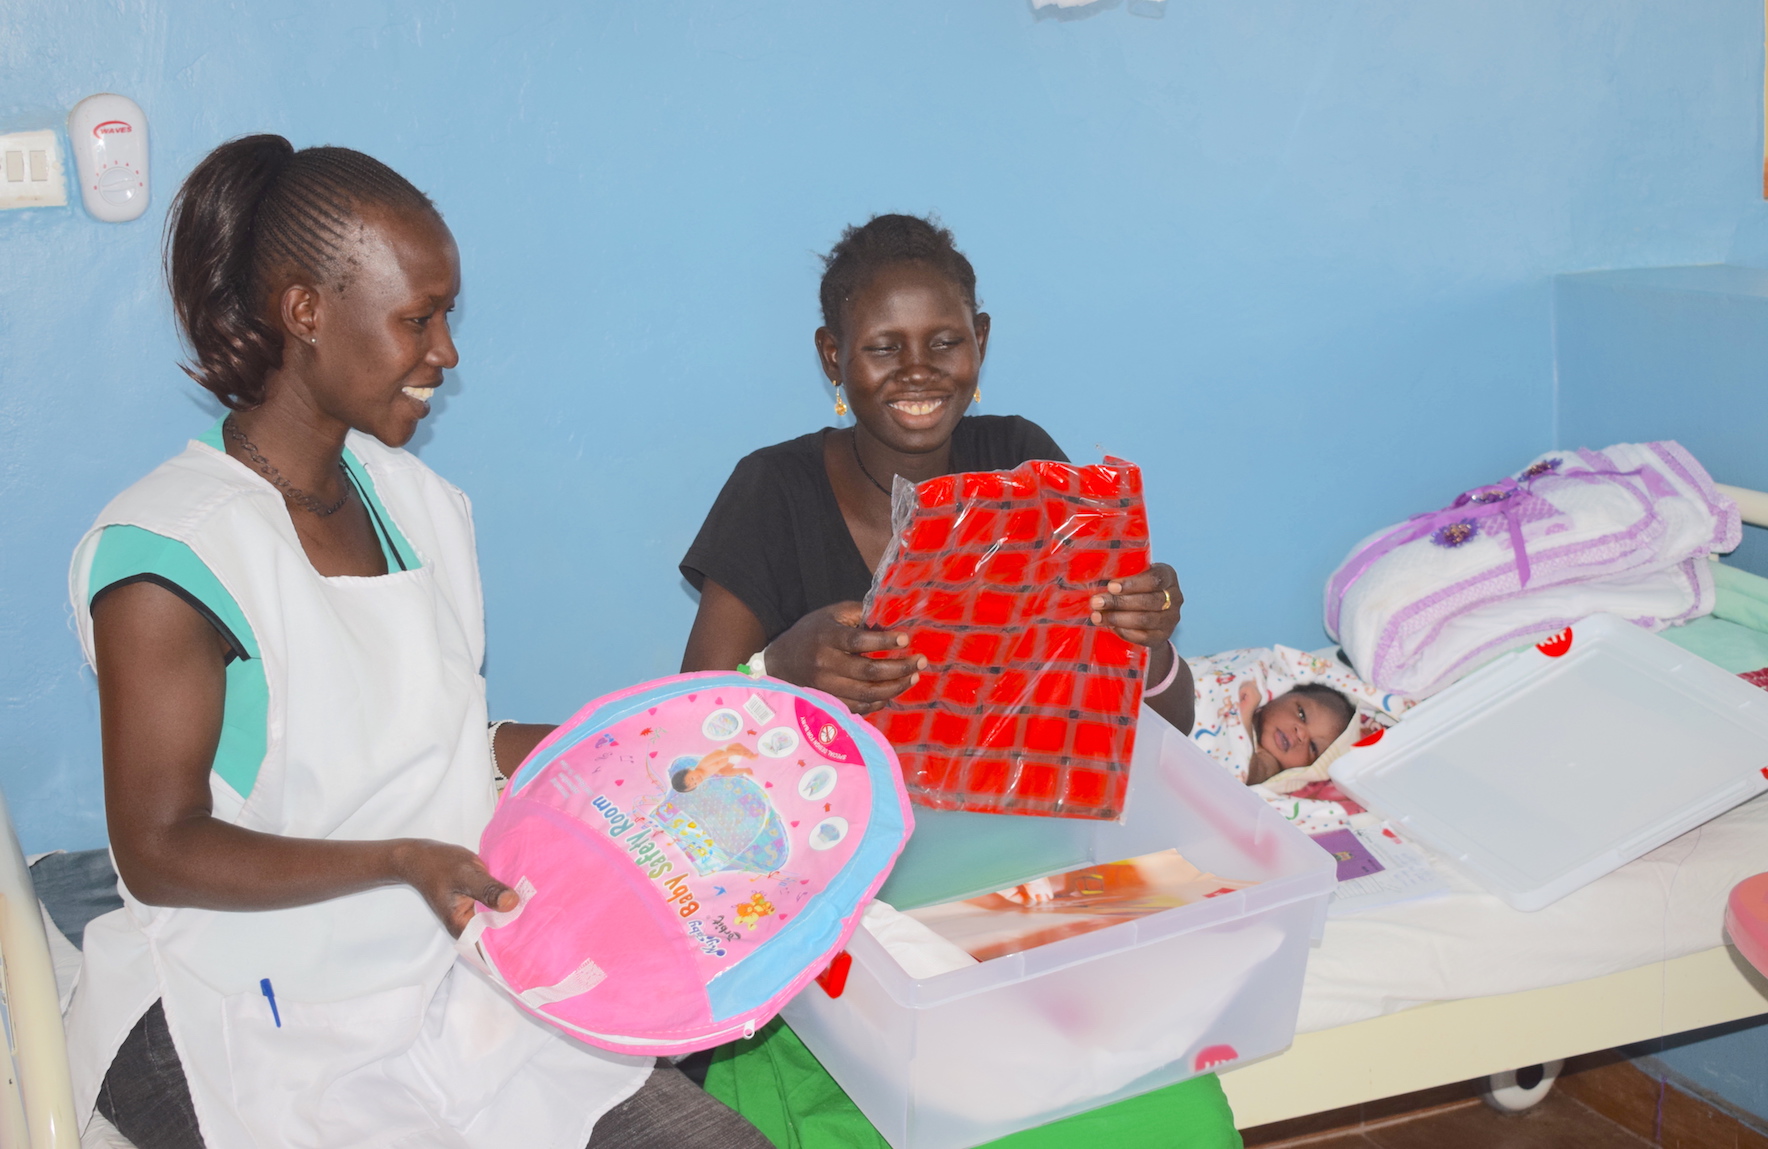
(1293, 257)
(1671, 353)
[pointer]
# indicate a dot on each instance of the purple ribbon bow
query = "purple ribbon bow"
(1507, 498)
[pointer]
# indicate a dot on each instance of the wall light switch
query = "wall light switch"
(31, 170)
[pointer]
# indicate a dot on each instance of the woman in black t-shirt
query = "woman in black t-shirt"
(787, 552)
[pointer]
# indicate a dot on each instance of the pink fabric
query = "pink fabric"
(1746, 920)
(687, 865)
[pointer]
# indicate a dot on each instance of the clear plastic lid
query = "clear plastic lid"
(1554, 765)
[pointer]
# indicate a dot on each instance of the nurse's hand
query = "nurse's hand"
(829, 650)
(451, 879)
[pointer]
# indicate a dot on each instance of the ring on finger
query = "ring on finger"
(1168, 604)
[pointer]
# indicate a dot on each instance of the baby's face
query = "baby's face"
(1295, 728)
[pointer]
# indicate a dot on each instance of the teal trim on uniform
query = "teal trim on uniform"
(124, 552)
(401, 548)
(127, 551)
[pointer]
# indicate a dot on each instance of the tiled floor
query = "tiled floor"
(1600, 1102)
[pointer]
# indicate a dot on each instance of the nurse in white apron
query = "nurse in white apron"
(295, 748)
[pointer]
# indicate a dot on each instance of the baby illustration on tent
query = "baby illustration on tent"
(719, 816)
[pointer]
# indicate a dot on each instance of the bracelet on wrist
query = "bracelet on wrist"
(1172, 673)
(497, 773)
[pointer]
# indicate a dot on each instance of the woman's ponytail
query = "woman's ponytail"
(254, 209)
(210, 267)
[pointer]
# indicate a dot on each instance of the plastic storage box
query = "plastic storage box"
(971, 1055)
(1553, 765)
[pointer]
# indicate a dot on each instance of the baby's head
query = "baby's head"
(1295, 727)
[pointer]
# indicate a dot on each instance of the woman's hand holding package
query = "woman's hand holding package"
(829, 650)
(1144, 609)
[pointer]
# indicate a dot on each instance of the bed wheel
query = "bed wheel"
(1516, 1090)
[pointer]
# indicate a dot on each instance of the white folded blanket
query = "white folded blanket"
(1623, 530)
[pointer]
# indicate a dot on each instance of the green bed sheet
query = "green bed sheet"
(1735, 635)
(774, 1081)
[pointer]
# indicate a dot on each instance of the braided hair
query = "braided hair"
(880, 242)
(253, 214)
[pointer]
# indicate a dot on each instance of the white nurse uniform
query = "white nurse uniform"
(376, 729)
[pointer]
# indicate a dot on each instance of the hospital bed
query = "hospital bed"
(36, 1105)
(1396, 999)
(1459, 987)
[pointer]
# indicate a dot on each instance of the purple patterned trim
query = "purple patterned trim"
(1698, 579)
(1493, 584)
(1728, 530)
(1507, 498)
(1695, 570)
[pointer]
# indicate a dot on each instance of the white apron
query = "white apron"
(376, 729)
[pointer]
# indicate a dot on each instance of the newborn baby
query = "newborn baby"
(1292, 729)
(1269, 714)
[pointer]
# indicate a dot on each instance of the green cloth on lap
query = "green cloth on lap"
(779, 1085)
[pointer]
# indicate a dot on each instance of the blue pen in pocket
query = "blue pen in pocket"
(270, 995)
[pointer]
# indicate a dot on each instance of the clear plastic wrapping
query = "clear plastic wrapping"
(1027, 707)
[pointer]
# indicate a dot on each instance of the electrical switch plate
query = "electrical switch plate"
(31, 173)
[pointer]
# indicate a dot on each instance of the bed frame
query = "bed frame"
(36, 1102)
(1450, 1041)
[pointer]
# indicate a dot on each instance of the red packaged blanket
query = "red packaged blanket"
(1026, 706)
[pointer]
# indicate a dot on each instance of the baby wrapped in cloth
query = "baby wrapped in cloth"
(1278, 717)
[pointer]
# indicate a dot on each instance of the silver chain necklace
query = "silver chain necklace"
(293, 493)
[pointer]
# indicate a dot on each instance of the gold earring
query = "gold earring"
(976, 396)
(840, 403)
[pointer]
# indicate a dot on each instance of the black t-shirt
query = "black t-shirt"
(775, 537)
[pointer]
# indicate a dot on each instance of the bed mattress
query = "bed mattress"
(1667, 904)
(1467, 943)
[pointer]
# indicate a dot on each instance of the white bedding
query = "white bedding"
(1667, 904)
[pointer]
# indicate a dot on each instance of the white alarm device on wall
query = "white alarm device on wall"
(108, 136)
